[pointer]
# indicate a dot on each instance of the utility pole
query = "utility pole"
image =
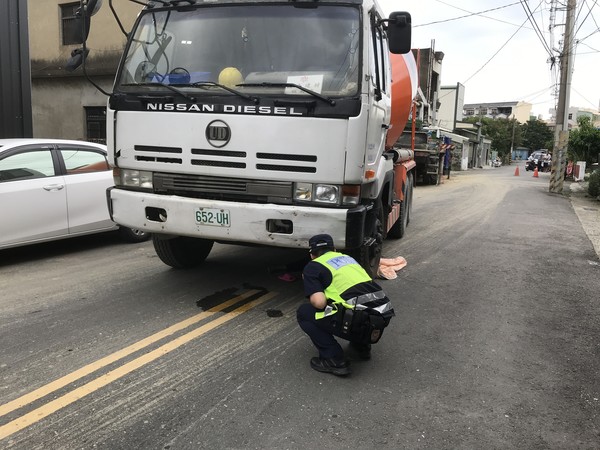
(512, 140)
(15, 73)
(561, 132)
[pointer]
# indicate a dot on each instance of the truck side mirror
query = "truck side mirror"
(399, 32)
(83, 18)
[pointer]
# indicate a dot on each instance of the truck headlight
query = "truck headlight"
(303, 192)
(331, 194)
(132, 178)
(327, 193)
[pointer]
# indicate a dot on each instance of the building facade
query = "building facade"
(574, 114)
(429, 64)
(452, 100)
(65, 104)
(503, 110)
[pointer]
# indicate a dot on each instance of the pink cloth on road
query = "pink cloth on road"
(389, 266)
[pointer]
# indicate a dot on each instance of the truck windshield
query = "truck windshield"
(254, 49)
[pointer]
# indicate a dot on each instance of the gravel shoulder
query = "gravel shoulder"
(587, 209)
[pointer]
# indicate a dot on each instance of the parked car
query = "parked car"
(53, 189)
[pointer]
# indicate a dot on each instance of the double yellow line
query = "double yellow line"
(51, 407)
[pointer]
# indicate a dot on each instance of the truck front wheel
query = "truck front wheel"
(182, 252)
(368, 255)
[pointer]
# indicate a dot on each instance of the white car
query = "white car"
(53, 189)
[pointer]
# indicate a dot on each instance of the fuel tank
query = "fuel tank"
(404, 89)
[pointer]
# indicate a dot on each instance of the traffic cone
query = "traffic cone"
(535, 172)
(517, 171)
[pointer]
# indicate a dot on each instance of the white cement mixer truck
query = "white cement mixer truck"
(262, 122)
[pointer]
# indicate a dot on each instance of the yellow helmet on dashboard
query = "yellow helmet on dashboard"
(230, 76)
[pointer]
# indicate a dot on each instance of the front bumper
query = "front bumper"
(249, 223)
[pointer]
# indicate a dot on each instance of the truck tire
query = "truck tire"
(399, 228)
(182, 252)
(369, 256)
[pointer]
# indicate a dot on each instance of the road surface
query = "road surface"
(495, 343)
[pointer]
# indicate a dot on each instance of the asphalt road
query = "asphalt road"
(495, 343)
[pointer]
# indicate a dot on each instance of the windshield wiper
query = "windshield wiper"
(292, 85)
(169, 87)
(173, 2)
(228, 89)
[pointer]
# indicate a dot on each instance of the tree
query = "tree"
(584, 142)
(500, 132)
(537, 135)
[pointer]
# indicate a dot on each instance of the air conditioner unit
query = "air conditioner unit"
(579, 172)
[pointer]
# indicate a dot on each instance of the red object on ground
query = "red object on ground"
(535, 172)
(517, 172)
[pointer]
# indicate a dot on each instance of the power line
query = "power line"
(468, 15)
(586, 16)
(503, 45)
(480, 14)
(593, 18)
(536, 94)
(584, 38)
(594, 50)
(536, 28)
(583, 97)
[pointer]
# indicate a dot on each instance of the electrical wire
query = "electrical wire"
(480, 14)
(583, 97)
(592, 33)
(593, 18)
(468, 15)
(539, 33)
(586, 16)
(544, 92)
(498, 51)
(591, 48)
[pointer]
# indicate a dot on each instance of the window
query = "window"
(381, 58)
(28, 164)
(378, 61)
(70, 34)
(570, 116)
(80, 161)
(315, 47)
(95, 123)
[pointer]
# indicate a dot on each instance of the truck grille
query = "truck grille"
(233, 159)
(219, 188)
(158, 154)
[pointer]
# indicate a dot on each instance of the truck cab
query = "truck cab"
(256, 122)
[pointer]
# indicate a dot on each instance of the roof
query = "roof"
(13, 142)
(489, 105)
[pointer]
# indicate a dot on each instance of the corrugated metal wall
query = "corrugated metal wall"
(15, 73)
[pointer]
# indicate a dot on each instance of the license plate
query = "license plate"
(213, 216)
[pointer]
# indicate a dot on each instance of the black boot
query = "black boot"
(340, 368)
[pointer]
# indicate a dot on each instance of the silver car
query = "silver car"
(53, 189)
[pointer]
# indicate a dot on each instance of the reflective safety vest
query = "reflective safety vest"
(345, 273)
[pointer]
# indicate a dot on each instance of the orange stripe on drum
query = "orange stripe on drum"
(404, 88)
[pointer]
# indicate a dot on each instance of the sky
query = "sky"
(496, 53)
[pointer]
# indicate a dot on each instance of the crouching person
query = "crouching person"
(343, 301)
